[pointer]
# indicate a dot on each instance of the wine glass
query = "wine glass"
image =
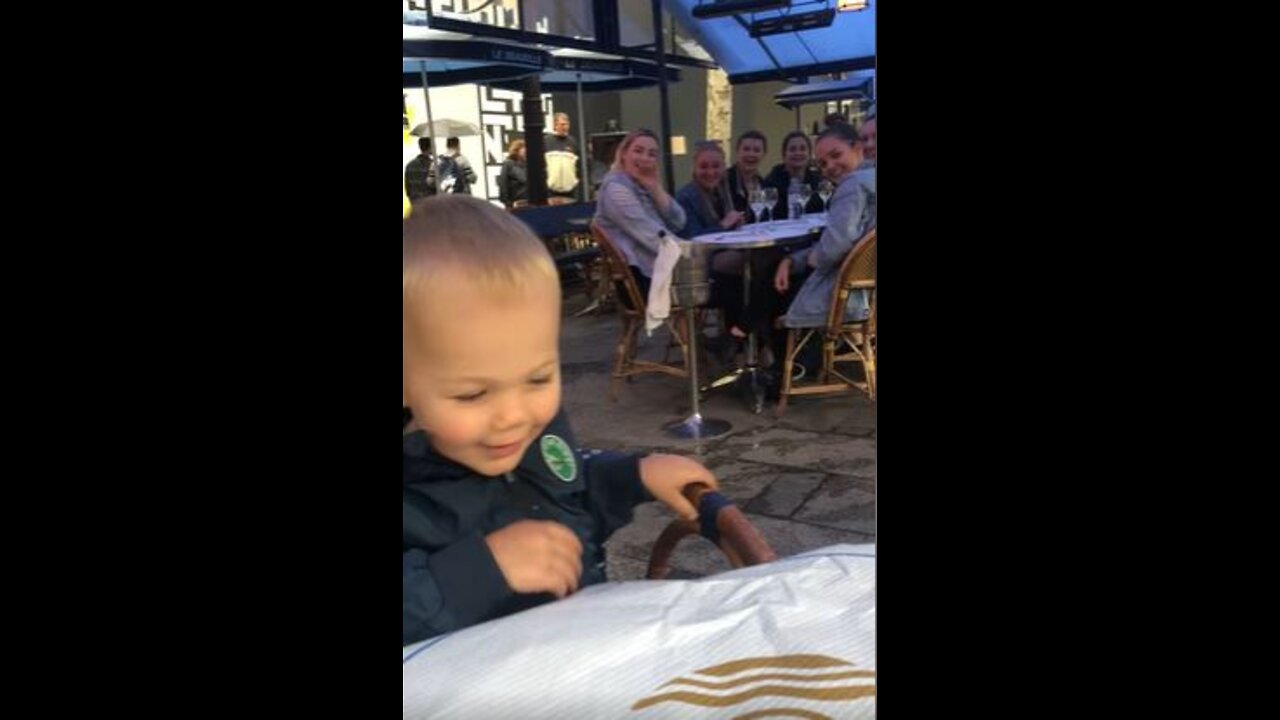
(756, 199)
(806, 192)
(824, 191)
(771, 199)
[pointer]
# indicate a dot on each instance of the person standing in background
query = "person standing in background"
(420, 174)
(456, 174)
(512, 181)
(562, 160)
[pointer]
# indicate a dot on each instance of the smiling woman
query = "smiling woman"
(853, 213)
(632, 207)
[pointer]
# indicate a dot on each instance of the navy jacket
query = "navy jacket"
(450, 579)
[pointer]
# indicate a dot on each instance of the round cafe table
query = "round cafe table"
(778, 233)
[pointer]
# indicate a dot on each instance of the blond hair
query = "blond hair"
(721, 190)
(464, 237)
(705, 146)
(626, 143)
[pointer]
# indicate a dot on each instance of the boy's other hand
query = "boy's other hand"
(664, 476)
(537, 556)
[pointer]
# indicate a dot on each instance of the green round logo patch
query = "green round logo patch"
(559, 457)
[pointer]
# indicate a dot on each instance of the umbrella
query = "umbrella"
(445, 127)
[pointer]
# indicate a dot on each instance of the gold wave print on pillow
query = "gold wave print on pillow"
(773, 671)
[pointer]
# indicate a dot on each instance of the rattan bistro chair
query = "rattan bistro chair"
(843, 342)
(631, 309)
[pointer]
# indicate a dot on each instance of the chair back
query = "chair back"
(857, 272)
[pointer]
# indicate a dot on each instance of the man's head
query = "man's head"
(424, 145)
(480, 331)
(560, 124)
(453, 145)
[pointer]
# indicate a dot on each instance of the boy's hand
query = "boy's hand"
(664, 476)
(537, 556)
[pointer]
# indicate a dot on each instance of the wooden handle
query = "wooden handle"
(740, 541)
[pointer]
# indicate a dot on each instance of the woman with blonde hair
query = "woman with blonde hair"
(632, 208)
(705, 199)
(709, 208)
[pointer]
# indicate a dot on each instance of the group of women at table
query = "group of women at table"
(634, 210)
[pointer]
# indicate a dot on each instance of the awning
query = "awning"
(858, 85)
(455, 58)
(848, 44)
(599, 72)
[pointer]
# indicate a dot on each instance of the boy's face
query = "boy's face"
(482, 374)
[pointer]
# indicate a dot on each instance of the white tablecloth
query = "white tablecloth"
(796, 634)
(773, 231)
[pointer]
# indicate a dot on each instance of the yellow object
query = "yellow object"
(408, 140)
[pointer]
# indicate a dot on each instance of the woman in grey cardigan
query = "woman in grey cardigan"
(632, 208)
(852, 214)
